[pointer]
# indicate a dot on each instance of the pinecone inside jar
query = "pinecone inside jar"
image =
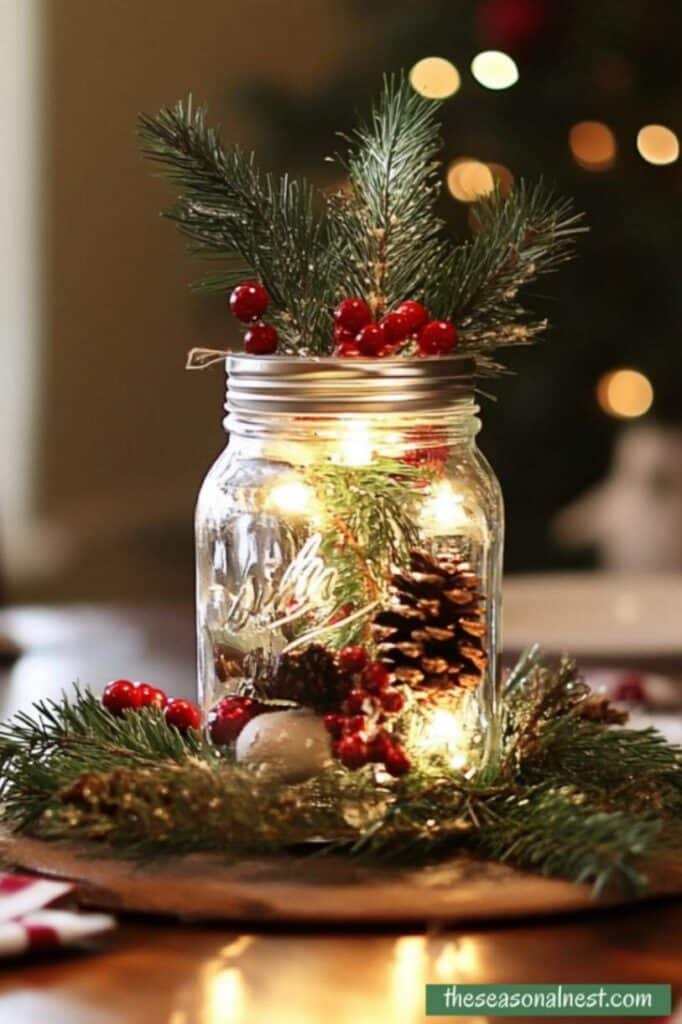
(432, 633)
(311, 677)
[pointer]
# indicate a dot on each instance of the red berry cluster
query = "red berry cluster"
(357, 730)
(356, 334)
(229, 716)
(121, 696)
(248, 303)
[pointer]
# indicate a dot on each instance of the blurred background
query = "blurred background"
(105, 438)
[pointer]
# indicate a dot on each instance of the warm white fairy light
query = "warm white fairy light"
(355, 446)
(494, 69)
(292, 497)
(443, 734)
(658, 144)
(443, 511)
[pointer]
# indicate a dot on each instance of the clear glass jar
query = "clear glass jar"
(351, 519)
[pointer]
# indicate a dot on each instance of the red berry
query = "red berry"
(375, 676)
(352, 751)
(392, 700)
(397, 762)
(415, 314)
(353, 659)
(227, 719)
(631, 689)
(342, 334)
(352, 314)
(119, 696)
(150, 696)
(437, 338)
(334, 724)
(396, 327)
(261, 340)
(371, 339)
(355, 701)
(379, 747)
(347, 350)
(356, 723)
(182, 714)
(248, 301)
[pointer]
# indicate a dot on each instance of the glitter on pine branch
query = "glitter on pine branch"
(569, 796)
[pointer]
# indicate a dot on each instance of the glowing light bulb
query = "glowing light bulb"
(494, 69)
(291, 497)
(443, 734)
(593, 145)
(355, 448)
(435, 78)
(443, 511)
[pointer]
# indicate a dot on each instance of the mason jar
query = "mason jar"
(349, 545)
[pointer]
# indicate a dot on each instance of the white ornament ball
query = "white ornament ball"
(293, 744)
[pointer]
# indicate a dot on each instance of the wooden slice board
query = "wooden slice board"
(317, 890)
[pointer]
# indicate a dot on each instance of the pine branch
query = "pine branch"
(571, 796)
(368, 525)
(383, 229)
(228, 209)
(517, 239)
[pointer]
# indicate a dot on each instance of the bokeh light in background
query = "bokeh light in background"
(494, 69)
(435, 78)
(625, 394)
(658, 144)
(593, 145)
(469, 179)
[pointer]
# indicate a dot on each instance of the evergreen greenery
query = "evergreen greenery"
(378, 236)
(569, 796)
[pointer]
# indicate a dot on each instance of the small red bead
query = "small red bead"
(334, 724)
(375, 677)
(352, 751)
(119, 696)
(150, 696)
(397, 762)
(415, 314)
(396, 327)
(437, 338)
(248, 301)
(355, 701)
(261, 340)
(348, 350)
(353, 659)
(392, 700)
(182, 714)
(371, 339)
(352, 313)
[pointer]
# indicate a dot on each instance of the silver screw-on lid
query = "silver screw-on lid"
(330, 386)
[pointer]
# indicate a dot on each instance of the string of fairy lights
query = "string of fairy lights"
(624, 392)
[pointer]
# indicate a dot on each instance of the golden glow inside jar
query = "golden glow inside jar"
(349, 543)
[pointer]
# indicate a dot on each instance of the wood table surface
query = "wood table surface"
(153, 971)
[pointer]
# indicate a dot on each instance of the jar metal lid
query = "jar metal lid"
(326, 386)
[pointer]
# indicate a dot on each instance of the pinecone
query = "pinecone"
(310, 677)
(432, 633)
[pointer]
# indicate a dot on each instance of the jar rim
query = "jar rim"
(329, 385)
